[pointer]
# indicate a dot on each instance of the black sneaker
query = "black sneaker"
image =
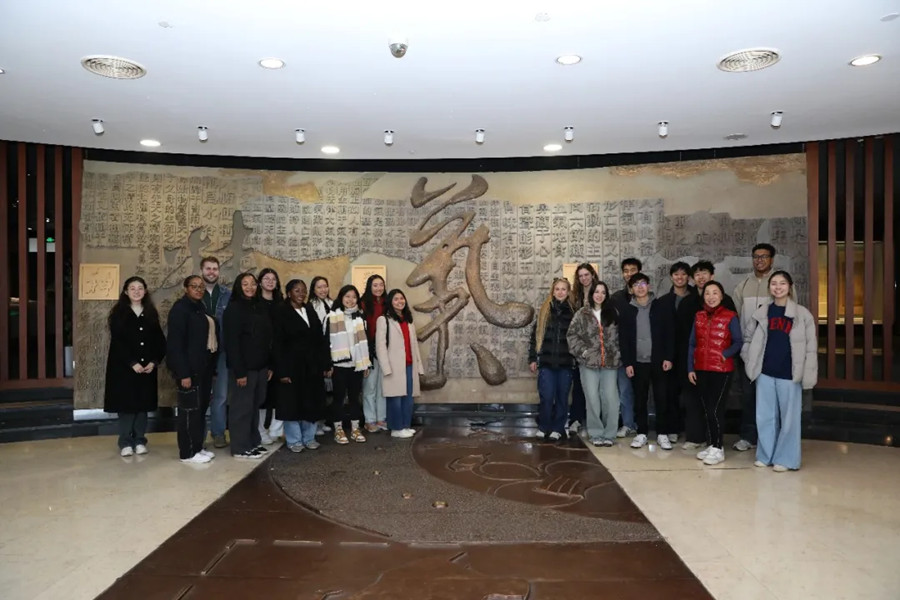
(249, 455)
(261, 449)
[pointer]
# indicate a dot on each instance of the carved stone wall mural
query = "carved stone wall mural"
(495, 238)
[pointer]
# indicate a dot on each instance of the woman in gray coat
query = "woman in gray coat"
(398, 354)
(781, 354)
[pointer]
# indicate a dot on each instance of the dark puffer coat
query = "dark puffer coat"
(554, 352)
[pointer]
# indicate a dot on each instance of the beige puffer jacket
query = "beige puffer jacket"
(804, 347)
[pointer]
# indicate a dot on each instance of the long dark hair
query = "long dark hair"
(237, 294)
(339, 299)
(368, 300)
(608, 312)
(311, 292)
(577, 288)
(276, 293)
(405, 315)
(123, 304)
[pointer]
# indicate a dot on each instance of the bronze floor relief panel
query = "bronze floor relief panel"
(283, 531)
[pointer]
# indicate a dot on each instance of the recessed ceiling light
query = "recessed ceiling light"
(113, 67)
(752, 59)
(330, 149)
(150, 143)
(552, 147)
(865, 60)
(271, 63)
(568, 59)
(2, 71)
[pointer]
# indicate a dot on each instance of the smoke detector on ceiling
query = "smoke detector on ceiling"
(752, 59)
(113, 67)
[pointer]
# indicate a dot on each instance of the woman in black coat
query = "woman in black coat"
(248, 348)
(136, 347)
(302, 361)
(191, 346)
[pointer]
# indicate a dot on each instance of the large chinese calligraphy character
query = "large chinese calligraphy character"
(436, 268)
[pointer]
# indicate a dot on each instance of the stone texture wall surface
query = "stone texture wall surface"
(157, 222)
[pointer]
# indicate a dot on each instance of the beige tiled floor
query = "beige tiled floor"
(830, 530)
(75, 516)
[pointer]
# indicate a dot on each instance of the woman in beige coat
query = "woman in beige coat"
(398, 354)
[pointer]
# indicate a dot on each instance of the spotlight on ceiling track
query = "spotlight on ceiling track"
(569, 133)
(202, 133)
(300, 135)
(777, 116)
(97, 124)
(388, 137)
(663, 129)
(479, 136)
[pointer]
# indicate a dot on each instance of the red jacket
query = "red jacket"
(713, 337)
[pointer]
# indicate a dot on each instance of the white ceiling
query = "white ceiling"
(488, 64)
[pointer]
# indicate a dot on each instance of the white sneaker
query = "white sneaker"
(207, 453)
(714, 456)
(127, 451)
(743, 445)
(673, 437)
(780, 468)
(702, 454)
(759, 463)
(574, 426)
(555, 436)
(411, 430)
(691, 446)
(265, 439)
(140, 449)
(625, 431)
(639, 441)
(540, 434)
(197, 459)
(403, 434)
(663, 441)
(319, 430)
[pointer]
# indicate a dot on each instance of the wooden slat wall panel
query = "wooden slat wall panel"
(4, 265)
(850, 190)
(869, 258)
(812, 196)
(39, 290)
(22, 197)
(58, 235)
(831, 357)
(889, 275)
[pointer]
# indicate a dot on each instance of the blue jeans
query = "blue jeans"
(626, 400)
(778, 407)
(602, 401)
(373, 396)
(553, 390)
(217, 405)
(299, 432)
(400, 408)
(577, 410)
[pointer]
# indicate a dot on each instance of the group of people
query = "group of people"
(687, 347)
(273, 355)
(269, 356)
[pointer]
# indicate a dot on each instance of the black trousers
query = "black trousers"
(244, 410)
(694, 415)
(347, 386)
(712, 387)
(645, 377)
(578, 410)
(191, 422)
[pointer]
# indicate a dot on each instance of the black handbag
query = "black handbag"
(189, 398)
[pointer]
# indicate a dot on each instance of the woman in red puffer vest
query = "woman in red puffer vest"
(715, 340)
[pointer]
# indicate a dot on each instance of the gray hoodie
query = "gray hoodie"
(642, 325)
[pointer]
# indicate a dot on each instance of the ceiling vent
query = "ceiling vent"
(113, 67)
(749, 60)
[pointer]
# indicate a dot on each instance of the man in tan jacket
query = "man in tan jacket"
(749, 295)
